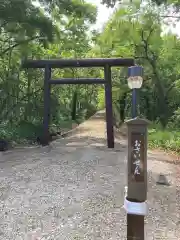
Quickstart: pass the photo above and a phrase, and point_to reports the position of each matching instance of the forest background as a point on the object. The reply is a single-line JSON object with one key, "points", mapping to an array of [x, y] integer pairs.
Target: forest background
{"points": [[50, 29]]}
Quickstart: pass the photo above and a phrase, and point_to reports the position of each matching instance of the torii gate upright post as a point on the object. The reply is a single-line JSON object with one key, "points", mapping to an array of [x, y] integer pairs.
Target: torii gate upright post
{"points": [[109, 109], [47, 98]]}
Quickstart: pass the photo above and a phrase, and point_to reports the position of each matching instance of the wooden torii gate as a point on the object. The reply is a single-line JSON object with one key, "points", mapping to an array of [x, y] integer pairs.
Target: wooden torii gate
{"points": [[106, 63]]}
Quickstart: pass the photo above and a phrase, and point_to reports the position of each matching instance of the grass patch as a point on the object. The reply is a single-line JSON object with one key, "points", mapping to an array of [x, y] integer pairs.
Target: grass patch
{"points": [[165, 139]]}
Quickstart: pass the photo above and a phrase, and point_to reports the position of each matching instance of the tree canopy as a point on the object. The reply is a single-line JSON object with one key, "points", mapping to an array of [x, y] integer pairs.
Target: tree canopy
{"points": [[111, 3]]}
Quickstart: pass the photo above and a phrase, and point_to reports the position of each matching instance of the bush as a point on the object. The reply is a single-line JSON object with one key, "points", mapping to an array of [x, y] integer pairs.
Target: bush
{"points": [[27, 132], [6, 132], [22, 132], [175, 119], [165, 139]]}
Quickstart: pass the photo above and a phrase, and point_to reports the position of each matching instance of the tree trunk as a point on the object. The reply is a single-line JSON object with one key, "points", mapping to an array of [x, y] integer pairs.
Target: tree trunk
{"points": [[161, 96], [74, 106], [27, 109], [122, 105]]}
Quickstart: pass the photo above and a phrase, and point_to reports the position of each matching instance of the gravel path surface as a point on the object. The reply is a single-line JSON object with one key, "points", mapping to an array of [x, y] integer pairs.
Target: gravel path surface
{"points": [[74, 190]]}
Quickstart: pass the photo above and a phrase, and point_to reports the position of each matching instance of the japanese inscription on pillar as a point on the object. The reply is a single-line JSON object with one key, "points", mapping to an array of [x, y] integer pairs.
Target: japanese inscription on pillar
{"points": [[137, 157]]}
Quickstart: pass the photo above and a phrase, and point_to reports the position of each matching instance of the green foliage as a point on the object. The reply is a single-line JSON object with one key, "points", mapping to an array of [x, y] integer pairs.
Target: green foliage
{"points": [[22, 132], [50, 29], [101, 99], [165, 139], [136, 31], [111, 3], [175, 119], [61, 29]]}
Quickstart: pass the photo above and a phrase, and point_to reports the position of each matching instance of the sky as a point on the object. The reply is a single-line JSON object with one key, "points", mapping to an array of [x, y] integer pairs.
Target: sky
{"points": [[104, 13]]}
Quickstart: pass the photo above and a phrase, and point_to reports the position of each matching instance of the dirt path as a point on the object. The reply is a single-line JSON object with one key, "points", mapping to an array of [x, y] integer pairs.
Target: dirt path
{"points": [[74, 190]]}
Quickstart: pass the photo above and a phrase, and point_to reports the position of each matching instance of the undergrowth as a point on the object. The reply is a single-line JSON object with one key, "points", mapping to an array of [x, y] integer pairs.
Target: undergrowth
{"points": [[27, 132], [165, 139]]}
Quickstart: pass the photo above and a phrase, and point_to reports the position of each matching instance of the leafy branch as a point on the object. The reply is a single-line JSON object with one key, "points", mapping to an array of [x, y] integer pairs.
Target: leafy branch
{"points": [[20, 43]]}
